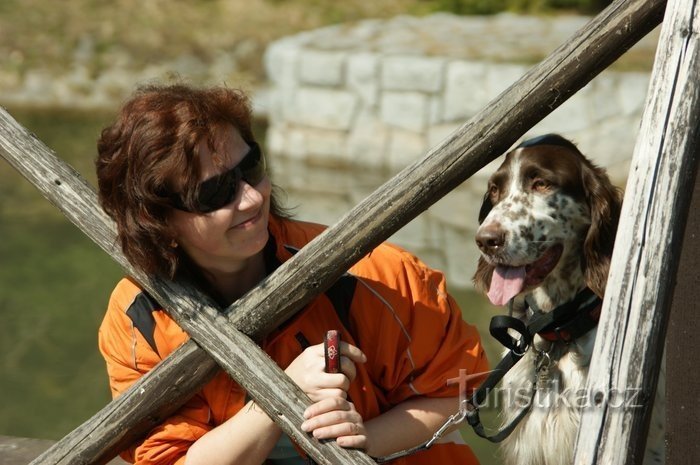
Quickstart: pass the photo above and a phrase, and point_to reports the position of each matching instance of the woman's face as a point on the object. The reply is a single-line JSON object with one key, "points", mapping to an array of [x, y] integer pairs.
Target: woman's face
{"points": [[223, 240]]}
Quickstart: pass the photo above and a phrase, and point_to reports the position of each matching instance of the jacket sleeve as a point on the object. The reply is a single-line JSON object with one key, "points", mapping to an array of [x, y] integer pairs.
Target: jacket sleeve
{"points": [[418, 342], [129, 357]]}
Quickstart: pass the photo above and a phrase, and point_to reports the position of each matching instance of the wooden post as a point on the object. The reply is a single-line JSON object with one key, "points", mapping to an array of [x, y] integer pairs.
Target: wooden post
{"points": [[627, 355], [315, 268]]}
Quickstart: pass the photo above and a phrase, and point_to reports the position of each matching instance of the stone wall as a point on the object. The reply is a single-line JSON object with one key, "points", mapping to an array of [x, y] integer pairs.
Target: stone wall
{"points": [[363, 101]]}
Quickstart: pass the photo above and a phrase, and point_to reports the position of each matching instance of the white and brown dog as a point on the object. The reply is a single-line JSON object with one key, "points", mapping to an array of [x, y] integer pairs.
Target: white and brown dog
{"points": [[547, 227]]}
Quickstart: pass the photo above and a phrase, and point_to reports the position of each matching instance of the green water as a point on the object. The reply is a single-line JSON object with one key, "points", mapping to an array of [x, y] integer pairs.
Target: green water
{"points": [[54, 285]]}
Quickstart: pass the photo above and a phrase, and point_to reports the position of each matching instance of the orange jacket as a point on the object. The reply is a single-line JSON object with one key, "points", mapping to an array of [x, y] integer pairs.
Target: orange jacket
{"points": [[400, 315]]}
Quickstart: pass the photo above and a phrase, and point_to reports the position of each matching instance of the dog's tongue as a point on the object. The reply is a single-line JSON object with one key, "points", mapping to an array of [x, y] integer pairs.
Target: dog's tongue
{"points": [[506, 283]]}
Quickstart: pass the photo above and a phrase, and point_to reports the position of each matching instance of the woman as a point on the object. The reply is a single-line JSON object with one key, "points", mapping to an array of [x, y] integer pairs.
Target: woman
{"points": [[181, 175]]}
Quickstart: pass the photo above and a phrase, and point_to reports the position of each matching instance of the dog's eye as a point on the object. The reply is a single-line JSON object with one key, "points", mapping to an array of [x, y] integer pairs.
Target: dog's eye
{"points": [[539, 185], [493, 190]]}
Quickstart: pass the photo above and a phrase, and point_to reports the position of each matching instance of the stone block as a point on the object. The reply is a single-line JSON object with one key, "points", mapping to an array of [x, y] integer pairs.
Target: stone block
{"points": [[405, 110], [322, 68], [500, 76], [326, 147], [413, 234], [281, 59], [281, 63], [262, 101], [275, 143], [459, 208], [438, 133], [413, 73], [466, 91], [435, 258], [633, 92], [572, 116], [275, 106], [602, 100], [295, 143], [312, 179], [477, 183], [320, 207], [610, 143], [362, 77], [325, 108], [365, 181], [405, 147], [462, 258], [368, 141], [435, 104]]}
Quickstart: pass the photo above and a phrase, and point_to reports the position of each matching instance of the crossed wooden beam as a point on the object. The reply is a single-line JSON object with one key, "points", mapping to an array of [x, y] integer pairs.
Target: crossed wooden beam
{"points": [[225, 337]]}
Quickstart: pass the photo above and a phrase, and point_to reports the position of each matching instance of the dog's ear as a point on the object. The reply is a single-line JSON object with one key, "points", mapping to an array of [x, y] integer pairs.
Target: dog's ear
{"points": [[604, 201], [486, 206], [482, 276]]}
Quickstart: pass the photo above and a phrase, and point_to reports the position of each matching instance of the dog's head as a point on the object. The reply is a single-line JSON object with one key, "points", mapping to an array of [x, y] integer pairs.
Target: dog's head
{"points": [[548, 214]]}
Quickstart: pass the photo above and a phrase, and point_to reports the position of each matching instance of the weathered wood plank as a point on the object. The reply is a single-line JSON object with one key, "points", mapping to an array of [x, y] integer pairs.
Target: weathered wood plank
{"points": [[482, 139], [629, 346]]}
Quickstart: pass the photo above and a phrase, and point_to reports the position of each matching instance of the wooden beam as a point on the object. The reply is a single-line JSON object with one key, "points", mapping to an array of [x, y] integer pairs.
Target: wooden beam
{"points": [[316, 267], [629, 346]]}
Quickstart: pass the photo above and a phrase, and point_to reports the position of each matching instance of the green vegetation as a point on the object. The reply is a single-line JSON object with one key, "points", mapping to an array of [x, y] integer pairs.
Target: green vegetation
{"points": [[485, 7], [95, 35]]}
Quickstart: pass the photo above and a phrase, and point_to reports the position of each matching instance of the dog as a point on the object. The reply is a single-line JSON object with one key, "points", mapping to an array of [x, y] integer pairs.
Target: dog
{"points": [[547, 227]]}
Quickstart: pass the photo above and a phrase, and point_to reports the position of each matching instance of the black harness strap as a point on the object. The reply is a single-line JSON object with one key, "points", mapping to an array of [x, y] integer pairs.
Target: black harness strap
{"points": [[575, 317], [472, 414], [571, 320], [499, 329], [567, 322]]}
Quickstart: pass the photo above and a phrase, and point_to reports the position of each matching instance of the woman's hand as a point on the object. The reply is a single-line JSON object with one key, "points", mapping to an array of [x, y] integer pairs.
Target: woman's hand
{"points": [[336, 417], [331, 416], [307, 371]]}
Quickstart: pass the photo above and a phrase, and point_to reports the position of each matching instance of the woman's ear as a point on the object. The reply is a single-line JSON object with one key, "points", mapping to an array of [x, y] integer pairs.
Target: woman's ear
{"points": [[604, 201]]}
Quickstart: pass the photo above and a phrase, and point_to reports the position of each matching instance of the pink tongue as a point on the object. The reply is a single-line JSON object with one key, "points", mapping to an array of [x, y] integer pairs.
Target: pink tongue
{"points": [[506, 283]]}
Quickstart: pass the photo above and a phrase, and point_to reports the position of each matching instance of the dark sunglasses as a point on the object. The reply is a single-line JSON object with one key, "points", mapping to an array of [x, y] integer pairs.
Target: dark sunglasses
{"points": [[220, 190]]}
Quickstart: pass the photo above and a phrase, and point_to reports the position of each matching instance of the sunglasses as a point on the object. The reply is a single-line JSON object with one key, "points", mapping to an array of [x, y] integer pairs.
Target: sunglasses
{"points": [[220, 190]]}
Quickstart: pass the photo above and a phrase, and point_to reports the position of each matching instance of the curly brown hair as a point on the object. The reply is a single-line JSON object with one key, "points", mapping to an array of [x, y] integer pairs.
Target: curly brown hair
{"points": [[149, 151]]}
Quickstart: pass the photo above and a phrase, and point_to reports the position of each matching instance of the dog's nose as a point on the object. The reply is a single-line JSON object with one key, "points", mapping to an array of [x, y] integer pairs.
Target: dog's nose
{"points": [[490, 238]]}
